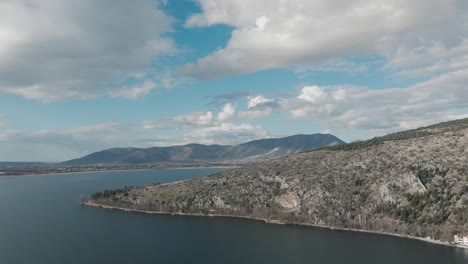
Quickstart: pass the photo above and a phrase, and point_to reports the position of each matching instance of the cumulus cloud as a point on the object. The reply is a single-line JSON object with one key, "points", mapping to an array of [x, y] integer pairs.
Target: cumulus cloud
{"points": [[312, 94], [257, 107], [193, 119], [261, 22], [227, 113], [441, 98], [220, 133], [254, 101], [226, 134], [79, 48], [189, 120], [276, 34], [136, 91], [208, 128]]}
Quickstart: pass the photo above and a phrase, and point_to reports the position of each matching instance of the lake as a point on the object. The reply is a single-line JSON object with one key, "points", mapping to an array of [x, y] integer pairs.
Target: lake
{"points": [[42, 221]]}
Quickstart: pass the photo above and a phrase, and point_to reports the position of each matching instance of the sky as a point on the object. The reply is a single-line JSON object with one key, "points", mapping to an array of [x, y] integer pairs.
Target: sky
{"points": [[79, 76]]}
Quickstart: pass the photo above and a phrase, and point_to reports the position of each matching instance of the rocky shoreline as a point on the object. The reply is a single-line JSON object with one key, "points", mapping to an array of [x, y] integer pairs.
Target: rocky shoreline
{"points": [[270, 221]]}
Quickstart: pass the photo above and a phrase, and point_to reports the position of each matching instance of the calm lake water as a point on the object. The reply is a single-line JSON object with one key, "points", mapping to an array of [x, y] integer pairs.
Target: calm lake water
{"points": [[41, 221]]}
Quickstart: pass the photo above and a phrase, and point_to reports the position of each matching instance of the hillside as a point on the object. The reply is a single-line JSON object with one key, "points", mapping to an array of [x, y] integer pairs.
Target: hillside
{"points": [[413, 183], [254, 151]]}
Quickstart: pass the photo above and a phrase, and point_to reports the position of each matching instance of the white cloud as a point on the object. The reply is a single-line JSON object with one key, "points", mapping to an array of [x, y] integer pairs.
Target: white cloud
{"points": [[276, 34], [205, 128], [253, 101], [261, 22], [312, 94], [189, 120], [53, 50], [227, 113], [375, 111], [219, 133], [429, 59], [135, 92], [438, 99], [226, 134], [257, 107], [193, 119]]}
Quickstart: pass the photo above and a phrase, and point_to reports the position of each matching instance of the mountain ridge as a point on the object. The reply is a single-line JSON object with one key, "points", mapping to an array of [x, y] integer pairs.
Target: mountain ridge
{"points": [[252, 151]]}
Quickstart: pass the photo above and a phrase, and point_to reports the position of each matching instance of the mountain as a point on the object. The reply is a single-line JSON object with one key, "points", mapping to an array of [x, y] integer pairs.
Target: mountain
{"points": [[264, 149], [253, 151], [409, 183]]}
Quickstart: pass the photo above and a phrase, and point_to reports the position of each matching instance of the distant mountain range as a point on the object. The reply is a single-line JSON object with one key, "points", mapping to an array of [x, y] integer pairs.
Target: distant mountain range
{"points": [[253, 151]]}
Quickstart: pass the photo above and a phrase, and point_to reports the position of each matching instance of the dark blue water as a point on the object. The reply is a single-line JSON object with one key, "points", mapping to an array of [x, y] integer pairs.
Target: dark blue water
{"points": [[41, 221]]}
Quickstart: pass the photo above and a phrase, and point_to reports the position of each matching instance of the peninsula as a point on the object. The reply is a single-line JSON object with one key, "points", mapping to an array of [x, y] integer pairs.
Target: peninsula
{"points": [[412, 183]]}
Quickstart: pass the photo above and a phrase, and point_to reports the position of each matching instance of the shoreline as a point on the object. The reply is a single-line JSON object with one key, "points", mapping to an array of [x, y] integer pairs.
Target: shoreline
{"points": [[276, 222], [129, 170]]}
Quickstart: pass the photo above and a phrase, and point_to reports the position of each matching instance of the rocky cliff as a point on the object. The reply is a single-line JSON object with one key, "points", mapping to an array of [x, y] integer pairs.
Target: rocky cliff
{"points": [[413, 183]]}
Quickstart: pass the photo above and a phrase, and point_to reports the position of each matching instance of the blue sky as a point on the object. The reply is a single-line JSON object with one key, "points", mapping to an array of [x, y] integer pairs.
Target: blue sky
{"points": [[77, 76]]}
